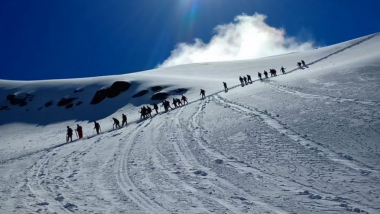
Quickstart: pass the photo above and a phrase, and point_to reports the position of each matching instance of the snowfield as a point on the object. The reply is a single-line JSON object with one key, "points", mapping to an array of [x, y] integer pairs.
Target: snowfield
{"points": [[304, 142]]}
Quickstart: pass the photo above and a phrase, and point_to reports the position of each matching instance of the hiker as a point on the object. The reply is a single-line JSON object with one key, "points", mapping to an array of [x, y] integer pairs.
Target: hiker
{"points": [[142, 112], [79, 131], [166, 105], [259, 74], [69, 135], [148, 111], [241, 81], [249, 78], [97, 127], [299, 64], [175, 103], [265, 74], [155, 106], [184, 100], [116, 123], [203, 93], [178, 102], [303, 63], [245, 80], [225, 87], [275, 72], [124, 121], [283, 70]]}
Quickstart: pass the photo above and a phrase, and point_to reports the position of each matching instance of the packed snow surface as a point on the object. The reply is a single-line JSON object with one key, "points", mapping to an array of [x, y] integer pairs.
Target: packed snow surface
{"points": [[304, 142]]}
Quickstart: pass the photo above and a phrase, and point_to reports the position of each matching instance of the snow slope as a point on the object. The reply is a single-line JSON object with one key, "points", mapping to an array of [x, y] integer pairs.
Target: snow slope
{"points": [[304, 142]]}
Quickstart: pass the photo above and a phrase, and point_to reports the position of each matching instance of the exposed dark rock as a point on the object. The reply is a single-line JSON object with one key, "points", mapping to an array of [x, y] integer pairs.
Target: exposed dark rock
{"points": [[99, 96], [69, 106], [78, 90], [40, 108], [117, 87], [10, 97], [48, 104], [200, 172], [111, 92], [140, 94], [22, 103], [65, 101], [157, 88], [160, 96], [180, 90], [3, 108], [14, 100], [79, 103]]}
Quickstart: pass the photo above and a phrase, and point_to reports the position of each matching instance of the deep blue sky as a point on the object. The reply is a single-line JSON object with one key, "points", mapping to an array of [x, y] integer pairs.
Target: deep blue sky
{"points": [[45, 39]]}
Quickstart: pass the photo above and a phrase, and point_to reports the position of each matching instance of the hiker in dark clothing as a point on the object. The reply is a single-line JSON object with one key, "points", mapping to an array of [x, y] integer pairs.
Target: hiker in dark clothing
{"points": [[116, 123], [69, 135], [299, 64], [143, 112], [178, 102], [203, 93], [245, 80], [97, 127], [265, 74], [79, 131], [303, 63], [225, 87], [149, 111], [249, 78], [275, 72], [184, 100], [283, 70], [175, 103], [124, 121], [259, 75], [166, 105], [241, 81], [155, 106]]}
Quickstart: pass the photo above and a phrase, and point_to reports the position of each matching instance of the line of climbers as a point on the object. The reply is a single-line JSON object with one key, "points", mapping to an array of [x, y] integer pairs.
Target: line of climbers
{"points": [[147, 110]]}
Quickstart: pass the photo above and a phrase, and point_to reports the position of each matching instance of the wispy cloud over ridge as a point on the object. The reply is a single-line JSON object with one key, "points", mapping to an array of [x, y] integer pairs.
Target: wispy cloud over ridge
{"points": [[248, 37]]}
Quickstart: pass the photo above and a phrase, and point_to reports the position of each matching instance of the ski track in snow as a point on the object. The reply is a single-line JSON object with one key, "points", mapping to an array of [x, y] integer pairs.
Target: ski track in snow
{"points": [[289, 90], [296, 137]]}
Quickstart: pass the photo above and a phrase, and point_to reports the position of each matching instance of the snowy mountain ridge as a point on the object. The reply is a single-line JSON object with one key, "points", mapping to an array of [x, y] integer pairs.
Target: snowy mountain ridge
{"points": [[304, 142]]}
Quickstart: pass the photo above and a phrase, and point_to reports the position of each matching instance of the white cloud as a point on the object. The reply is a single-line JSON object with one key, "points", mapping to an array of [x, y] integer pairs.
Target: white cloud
{"points": [[248, 37]]}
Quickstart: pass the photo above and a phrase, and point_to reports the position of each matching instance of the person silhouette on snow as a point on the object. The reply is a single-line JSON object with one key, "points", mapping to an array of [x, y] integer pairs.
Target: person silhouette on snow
{"points": [[184, 100], [283, 70], [69, 135], [225, 87], [155, 106], [241, 80], [148, 111], [79, 131], [266, 74], [203, 93], [249, 78], [124, 120], [303, 63], [299, 64], [116, 123], [245, 80], [260, 76], [97, 127]]}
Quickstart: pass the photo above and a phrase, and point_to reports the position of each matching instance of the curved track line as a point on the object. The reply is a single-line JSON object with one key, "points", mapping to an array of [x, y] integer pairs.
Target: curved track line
{"points": [[296, 137]]}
